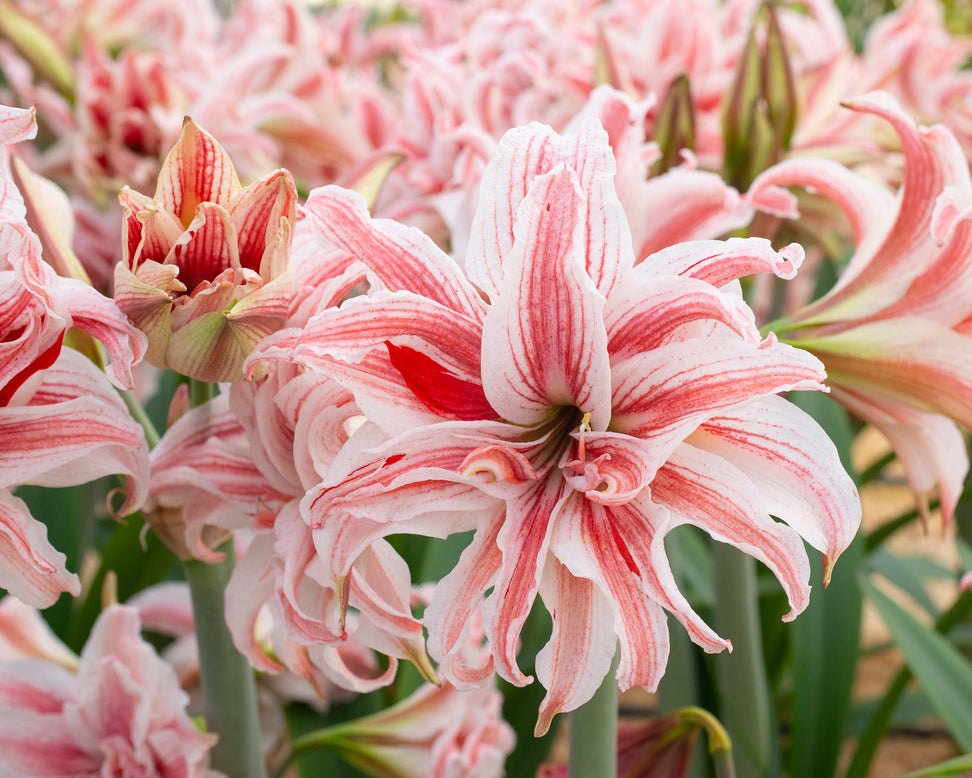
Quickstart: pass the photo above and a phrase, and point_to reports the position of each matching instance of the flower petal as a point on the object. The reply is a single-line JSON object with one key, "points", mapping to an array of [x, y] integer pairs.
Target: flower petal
{"points": [[930, 447], [524, 540], [795, 466], [401, 257], [76, 429], [544, 343], [196, 170], [572, 665], [718, 262], [644, 316], [456, 596], [913, 361], [589, 543], [671, 390], [31, 569], [705, 490]]}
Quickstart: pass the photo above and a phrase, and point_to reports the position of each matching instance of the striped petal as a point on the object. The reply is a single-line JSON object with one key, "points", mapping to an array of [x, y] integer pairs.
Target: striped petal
{"points": [[544, 342], [401, 257], [795, 466], [706, 491], [572, 665]]}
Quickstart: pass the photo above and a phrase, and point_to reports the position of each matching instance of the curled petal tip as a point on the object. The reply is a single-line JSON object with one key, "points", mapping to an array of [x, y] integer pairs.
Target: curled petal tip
{"points": [[828, 568], [423, 664], [543, 723]]}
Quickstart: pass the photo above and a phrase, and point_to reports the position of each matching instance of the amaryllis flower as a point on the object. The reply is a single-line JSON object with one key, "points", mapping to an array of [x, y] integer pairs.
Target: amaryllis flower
{"points": [[894, 332], [436, 732], [166, 609], [204, 273], [61, 421], [121, 713], [571, 407], [25, 635]]}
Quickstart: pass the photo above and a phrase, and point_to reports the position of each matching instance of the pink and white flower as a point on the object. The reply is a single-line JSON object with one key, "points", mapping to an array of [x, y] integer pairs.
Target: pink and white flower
{"points": [[61, 421], [436, 732], [204, 272], [894, 331], [121, 713], [572, 408]]}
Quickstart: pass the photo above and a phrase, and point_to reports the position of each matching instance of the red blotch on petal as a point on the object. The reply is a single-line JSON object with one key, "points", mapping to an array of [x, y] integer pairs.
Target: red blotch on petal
{"points": [[43, 361], [442, 392]]}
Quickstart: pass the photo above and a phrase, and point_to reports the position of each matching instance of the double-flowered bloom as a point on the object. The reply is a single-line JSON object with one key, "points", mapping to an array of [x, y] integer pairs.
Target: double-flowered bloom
{"points": [[204, 270], [61, 422], [572, 407], [116, 710], [894, 331]]}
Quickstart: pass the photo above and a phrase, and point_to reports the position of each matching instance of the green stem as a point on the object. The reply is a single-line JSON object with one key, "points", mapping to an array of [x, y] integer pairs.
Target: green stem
{"points": [[869, 741], [228, 684], [744, 699], [200, 392], [680, 685], [137, 410], [594, 732]]}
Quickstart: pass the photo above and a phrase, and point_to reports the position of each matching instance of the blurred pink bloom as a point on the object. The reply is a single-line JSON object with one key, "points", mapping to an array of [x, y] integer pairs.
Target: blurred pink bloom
{"points": [[129, 114], [436, 732], [204, 273], [894, 331], [911, 54], [25, 635], [572, 408], [122, 713], [166, 609], [277, 97]]}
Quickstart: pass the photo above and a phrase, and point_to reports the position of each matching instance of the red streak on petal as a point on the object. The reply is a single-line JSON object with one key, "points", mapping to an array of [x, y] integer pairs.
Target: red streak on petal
{"points": [[622, 548], [43, 361], [442, 392]]}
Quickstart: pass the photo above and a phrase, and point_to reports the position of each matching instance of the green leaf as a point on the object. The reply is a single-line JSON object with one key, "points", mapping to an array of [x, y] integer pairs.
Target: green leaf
{"points": [[961, 764], [908, 574], [944, 673], [137, 564], [910, 709], [824, 650]]}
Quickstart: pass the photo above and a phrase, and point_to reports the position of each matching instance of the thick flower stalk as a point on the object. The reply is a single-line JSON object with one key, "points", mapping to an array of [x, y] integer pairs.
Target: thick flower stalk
{"points": [[121, 713], [894, 331], [204, 268], [571, 407]]}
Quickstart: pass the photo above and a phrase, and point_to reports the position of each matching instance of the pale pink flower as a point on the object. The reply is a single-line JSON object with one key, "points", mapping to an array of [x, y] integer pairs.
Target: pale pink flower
{"points": [[25, 635], [166, 609], [204, 482], [571, 407], [204, 268], [297, 422], [436, 732], [894, 331], [212, 474], [121, 713], [278, 95]]}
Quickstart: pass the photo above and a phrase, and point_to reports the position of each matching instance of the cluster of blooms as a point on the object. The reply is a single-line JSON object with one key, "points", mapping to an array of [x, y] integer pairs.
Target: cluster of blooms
{"points": [[474, 322]]}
